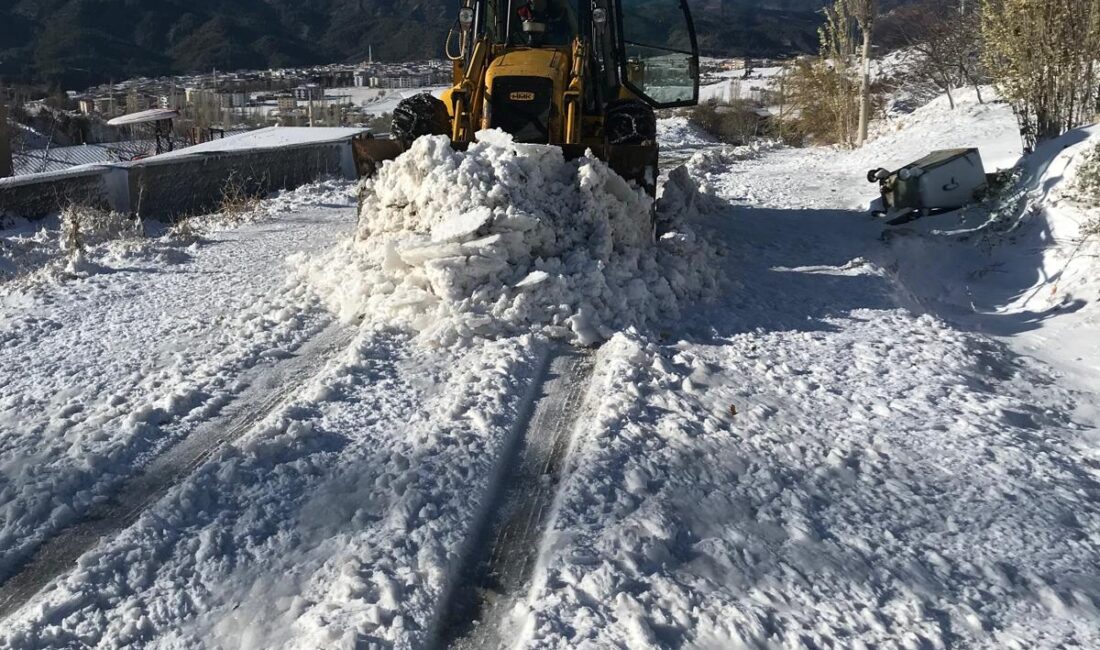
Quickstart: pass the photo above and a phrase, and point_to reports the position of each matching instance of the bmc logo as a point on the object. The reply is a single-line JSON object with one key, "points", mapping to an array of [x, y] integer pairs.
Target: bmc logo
{"points": [[521, 96]]}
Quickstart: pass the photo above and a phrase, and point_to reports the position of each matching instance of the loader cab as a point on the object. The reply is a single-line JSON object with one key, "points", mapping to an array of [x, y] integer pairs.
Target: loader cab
{"points": [[639, 51], [647, 47], [543, 23]]}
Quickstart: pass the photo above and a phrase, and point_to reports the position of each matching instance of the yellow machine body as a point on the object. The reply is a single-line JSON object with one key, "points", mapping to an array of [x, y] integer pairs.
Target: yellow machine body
{"points": [[550, 93]]}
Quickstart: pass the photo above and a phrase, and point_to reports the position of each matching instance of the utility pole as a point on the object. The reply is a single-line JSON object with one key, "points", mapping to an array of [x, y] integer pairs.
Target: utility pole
{"points": [[6, 168]]}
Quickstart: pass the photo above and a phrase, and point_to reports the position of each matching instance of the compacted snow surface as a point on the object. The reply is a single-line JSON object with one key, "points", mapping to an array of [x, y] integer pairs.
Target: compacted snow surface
{"points": [[804, 430]]}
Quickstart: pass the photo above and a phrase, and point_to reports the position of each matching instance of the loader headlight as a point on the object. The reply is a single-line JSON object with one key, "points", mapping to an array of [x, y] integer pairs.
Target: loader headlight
{"points": [[905, 174], [466, 17], [599, 16]]}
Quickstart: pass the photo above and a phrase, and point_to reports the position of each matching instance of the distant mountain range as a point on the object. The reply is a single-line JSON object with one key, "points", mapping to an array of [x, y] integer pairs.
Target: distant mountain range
{"points": [[76, 43]]}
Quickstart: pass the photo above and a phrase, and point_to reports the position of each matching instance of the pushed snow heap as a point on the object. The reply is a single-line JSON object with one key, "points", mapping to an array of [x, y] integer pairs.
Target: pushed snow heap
{"points": [[506, 238]]}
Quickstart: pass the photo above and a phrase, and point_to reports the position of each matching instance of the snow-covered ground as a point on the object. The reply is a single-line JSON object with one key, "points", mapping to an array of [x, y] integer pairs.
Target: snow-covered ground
{"points": [[1023, 267], [817, 460], [866, 437], [111, 353]]}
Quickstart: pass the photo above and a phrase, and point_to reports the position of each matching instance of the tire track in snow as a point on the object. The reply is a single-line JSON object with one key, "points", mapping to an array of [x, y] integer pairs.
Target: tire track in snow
{"points": [[271, 387], [503, 559]]}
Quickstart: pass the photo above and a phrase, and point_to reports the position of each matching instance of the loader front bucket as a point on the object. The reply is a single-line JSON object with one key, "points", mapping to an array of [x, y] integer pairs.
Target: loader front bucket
{"points": [[371, 152], [636, 163]]}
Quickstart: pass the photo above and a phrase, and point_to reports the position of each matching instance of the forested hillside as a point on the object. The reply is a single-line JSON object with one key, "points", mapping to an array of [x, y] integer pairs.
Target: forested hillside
{"points": [[79, 42]]}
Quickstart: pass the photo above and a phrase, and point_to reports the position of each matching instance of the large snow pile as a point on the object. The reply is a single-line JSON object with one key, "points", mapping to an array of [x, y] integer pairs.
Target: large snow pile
{"points": [[506, 238]]}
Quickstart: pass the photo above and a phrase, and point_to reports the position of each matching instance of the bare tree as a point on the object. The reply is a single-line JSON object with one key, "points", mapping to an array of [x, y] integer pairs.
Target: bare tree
{"points": [[865, 12], [943, 47]]}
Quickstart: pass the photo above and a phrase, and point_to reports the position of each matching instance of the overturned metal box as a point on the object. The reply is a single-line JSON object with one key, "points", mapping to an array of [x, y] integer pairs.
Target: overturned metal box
{"points": [[941, 181]]}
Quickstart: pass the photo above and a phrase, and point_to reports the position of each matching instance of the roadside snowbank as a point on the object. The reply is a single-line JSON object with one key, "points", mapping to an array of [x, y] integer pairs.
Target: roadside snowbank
{"points": [[81, 241], [1024, 265], [506, 238], [78, 242], [935, 125], [325, 193]]}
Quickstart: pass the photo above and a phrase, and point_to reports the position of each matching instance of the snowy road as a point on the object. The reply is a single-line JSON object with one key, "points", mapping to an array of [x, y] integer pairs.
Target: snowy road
{"points": [[811, 465], [821, 457], [101, 374], [808, 463], [269, 387], [498, 576]]}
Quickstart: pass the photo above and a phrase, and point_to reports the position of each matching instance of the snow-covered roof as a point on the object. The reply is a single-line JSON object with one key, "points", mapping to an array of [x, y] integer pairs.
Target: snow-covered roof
{"points": [[270, 138], [35, 161], [144, 117]]}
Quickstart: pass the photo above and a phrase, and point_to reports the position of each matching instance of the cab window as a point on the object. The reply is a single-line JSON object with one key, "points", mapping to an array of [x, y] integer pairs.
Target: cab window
{"points": [[660, 58]]}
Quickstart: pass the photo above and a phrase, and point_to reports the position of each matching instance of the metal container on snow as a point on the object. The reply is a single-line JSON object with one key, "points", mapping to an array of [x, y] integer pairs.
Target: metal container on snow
{"points": [[941, 181]]}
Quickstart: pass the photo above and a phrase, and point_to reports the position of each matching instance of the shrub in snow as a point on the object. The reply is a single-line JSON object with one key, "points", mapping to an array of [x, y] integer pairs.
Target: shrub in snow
{"points": [[240, 198], [83, 226], [1087, 182], [505, 238], [737, 122]]}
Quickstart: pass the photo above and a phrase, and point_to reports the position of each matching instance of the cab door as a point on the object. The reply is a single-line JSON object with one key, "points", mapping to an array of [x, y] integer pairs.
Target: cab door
{"points": [[658, 52]]}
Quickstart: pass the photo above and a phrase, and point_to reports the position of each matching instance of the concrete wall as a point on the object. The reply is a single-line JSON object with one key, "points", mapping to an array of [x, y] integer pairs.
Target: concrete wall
{"points": [[179, 185], [197, 184], [37, 195]]}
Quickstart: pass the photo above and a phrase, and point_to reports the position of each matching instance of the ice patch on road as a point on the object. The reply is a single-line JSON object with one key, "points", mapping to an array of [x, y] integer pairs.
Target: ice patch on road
{"points": [[507, 238]]}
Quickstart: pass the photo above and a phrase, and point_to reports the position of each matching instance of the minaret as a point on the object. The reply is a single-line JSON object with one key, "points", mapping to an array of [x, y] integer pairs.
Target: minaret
{"points": [[370, 54]]}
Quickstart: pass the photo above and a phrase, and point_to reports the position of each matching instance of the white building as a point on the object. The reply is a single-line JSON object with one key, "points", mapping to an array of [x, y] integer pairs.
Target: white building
{"points": [[309, 92]]}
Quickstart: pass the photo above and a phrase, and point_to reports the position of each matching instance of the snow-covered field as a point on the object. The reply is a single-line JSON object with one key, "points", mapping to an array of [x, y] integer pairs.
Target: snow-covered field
{"points": [[858, 437]]}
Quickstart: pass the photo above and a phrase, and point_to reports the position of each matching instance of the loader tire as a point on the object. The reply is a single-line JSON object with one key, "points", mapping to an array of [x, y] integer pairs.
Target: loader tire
{"points": [[630, 122], [420, 115]]}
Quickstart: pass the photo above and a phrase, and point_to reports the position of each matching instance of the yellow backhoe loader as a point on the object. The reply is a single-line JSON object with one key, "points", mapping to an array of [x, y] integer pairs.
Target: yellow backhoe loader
{"points": [[578, 74]]}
